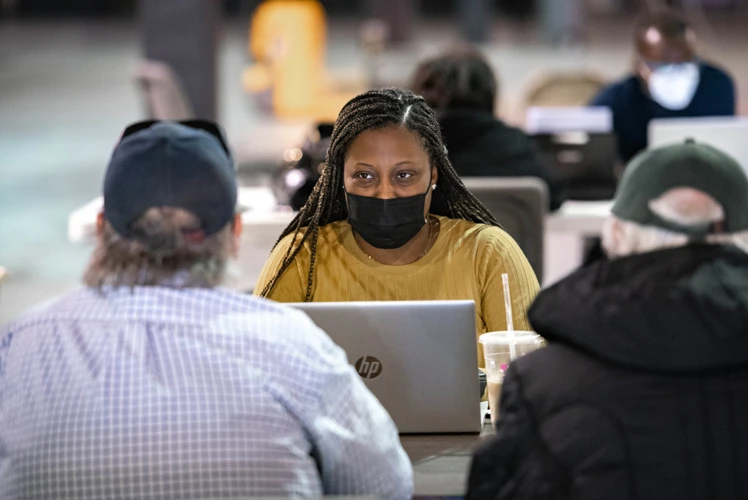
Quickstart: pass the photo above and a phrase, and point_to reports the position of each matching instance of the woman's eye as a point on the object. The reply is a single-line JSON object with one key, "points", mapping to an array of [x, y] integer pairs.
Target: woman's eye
{"points": [[404, 175], [364, 175]]}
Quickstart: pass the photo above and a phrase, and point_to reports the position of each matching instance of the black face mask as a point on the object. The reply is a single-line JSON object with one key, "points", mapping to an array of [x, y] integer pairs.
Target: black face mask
{"points": [[386, 224]]}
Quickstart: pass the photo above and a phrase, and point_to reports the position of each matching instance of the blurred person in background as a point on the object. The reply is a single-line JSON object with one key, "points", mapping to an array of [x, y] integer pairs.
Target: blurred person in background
{"points": [[669, 80], [461, 88], [390, 220], [643, 390], [152, 382]]}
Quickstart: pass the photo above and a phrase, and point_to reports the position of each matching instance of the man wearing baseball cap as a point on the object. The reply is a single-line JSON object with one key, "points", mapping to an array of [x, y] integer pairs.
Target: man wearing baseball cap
{"points": [[643, 390], [152, 382]]}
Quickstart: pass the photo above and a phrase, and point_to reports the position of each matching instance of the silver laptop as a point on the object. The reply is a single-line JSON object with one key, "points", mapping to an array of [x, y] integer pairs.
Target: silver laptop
{"points": [[418, 357], [728, 134]]}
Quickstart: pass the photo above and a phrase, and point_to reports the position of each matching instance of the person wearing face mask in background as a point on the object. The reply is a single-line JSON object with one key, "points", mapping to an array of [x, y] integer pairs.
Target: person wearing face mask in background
{"points": [[668, 81], [390, 220]]}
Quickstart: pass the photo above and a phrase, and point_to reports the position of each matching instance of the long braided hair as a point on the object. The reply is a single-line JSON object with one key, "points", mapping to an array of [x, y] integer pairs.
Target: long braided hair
{"points": [[376, 109]]}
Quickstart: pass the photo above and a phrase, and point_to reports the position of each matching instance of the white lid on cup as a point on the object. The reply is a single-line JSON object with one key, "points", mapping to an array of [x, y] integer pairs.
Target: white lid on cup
{"points": [[506, 337]]}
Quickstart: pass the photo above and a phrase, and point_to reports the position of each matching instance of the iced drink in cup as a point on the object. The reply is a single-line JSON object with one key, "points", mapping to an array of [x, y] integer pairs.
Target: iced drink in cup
{"points": [[497, 352]]}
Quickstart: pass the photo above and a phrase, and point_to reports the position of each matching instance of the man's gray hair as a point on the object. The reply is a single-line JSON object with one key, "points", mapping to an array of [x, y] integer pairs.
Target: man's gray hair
{"points": [[169, 250], [683, 206]]}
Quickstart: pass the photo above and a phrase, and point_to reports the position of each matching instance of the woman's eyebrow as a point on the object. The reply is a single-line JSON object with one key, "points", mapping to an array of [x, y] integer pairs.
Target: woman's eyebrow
{"points": [[404, 162]]}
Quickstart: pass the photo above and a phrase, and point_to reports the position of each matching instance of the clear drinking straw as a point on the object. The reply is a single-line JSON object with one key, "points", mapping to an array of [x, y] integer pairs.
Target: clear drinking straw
{"points": [[509, 320]]}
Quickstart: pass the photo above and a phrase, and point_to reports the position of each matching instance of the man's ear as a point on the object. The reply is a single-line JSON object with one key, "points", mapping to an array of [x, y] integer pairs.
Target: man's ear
{"points": [[236, 230], [100, 223], [613, 239]]}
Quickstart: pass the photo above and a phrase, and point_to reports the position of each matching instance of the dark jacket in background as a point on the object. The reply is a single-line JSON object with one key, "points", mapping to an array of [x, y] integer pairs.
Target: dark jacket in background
{"points": [[642, 392], [633, 109], [481, 145]]}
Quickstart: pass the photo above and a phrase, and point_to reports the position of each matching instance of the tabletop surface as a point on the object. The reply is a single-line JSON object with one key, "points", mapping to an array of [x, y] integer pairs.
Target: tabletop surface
{"points": [[441, 462]]}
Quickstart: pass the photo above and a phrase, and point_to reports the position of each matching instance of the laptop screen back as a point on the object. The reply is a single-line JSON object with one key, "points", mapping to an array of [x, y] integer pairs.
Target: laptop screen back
{"points": [[419, 358]]}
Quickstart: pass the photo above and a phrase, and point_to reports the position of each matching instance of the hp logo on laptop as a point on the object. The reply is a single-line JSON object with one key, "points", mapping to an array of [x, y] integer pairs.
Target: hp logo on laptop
{"points": [[368, 367]]}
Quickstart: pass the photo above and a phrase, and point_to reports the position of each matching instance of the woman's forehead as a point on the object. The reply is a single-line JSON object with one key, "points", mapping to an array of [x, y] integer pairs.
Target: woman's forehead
{"points": [[387, 143]]}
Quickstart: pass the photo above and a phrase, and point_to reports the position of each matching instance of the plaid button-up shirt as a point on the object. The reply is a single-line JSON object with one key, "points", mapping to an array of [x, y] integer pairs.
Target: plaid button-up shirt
{"points": [[163, 393]]}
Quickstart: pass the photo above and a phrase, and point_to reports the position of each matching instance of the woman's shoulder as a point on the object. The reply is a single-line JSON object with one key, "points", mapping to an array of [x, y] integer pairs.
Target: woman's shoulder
{"points": [[489, 248], [480, 235], [288, 240], [472, 229]]}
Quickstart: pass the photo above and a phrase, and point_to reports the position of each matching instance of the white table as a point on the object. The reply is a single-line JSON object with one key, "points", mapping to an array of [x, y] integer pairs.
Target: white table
{"points": [[580, 218], [263, 223], [565, 233]]}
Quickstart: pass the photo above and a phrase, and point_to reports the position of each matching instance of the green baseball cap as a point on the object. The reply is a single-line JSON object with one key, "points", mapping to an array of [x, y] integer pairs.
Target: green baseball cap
{"points": [[652, 173]]}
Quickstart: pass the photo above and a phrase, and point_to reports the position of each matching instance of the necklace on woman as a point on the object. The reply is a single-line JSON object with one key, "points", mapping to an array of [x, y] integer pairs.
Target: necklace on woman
{"points": [[420, 256]]}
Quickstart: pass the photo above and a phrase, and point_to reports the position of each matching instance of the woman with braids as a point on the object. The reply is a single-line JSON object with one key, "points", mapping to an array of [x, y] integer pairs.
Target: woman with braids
{"points": [[390, 220]]}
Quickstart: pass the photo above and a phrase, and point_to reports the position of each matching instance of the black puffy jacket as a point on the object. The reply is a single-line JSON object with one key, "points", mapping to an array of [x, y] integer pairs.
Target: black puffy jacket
{"points": [[642, 392]]}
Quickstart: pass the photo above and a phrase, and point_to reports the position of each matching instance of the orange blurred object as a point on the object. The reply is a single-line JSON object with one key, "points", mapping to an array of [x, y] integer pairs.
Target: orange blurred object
{"points": [[288, 43]]}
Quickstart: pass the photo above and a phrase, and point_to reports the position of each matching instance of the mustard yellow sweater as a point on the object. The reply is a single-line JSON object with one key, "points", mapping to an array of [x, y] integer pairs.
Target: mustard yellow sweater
{"points": [[465, 263]]}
